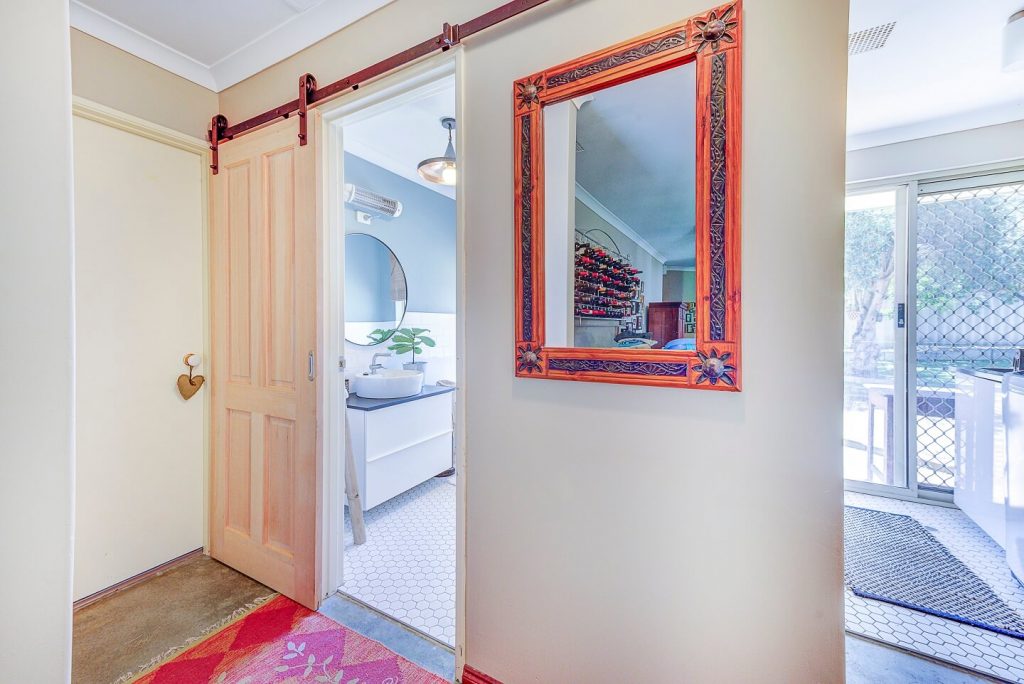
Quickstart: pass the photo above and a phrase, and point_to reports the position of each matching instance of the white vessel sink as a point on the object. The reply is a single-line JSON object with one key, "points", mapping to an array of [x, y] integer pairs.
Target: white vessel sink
{"points": [[388, 384]]}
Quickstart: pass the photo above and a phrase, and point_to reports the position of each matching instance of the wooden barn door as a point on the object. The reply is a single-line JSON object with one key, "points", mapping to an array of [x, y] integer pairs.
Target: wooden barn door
{"points": [[264, 377]]}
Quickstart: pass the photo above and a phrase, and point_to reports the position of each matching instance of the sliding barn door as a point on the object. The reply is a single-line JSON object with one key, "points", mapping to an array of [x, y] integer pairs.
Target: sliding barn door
{"points": [[263, 373]]}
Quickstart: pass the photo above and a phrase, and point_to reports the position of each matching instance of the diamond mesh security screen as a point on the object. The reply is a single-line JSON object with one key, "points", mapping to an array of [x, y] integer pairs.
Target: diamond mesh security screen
{"points": [[970, 306]]}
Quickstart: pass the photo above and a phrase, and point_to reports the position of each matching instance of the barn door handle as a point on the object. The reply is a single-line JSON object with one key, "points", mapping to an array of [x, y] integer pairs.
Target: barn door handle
{"points": [[312, 367]]}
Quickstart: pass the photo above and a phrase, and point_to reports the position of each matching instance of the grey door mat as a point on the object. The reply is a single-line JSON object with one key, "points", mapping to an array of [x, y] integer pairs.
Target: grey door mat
{"points": [[893, 558]]}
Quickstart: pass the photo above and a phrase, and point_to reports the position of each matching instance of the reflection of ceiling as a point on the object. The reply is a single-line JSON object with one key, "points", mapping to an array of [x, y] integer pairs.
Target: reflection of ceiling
{"points": [[216, 44], [638, 158], [940, 70], [399, 138]]}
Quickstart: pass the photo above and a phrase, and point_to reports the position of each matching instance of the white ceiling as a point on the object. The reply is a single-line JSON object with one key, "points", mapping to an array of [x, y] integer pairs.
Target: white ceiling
{"points": [[406, 131], [638, 159], [216, 43], [940, 71]]}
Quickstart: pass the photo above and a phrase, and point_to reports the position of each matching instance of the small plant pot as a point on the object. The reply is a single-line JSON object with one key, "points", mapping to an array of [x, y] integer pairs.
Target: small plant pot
{"points": [[420, 366]]}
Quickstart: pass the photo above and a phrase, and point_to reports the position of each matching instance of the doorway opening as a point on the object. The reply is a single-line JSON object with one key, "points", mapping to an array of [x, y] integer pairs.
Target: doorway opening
{"points": [[933, 295], [392, 174], [934, 313]]}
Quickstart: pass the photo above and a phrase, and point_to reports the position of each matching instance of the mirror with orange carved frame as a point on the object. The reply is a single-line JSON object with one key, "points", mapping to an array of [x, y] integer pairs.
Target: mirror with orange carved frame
{"points": [[627, 211]]}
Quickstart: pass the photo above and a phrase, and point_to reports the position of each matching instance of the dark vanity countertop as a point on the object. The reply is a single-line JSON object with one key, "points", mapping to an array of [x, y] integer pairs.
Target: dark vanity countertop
{"points": [[361, 404], [993, 374]]}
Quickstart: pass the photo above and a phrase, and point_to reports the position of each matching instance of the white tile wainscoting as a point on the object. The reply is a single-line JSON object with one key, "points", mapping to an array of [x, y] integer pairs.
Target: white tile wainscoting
{"points": [[440, 359]]}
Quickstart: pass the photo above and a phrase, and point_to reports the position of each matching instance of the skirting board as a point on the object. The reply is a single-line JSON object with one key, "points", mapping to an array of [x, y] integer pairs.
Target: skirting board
{"points": [[137, 579], [471, 675]]}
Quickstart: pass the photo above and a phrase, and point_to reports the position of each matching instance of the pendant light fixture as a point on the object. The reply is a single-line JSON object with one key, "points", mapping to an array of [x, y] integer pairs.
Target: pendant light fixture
{"points": [[441, 170], [1013, 42]]}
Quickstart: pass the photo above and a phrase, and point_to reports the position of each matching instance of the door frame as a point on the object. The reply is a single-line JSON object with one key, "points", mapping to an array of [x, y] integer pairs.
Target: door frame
{"points": [[367, 101], [909, 184]]}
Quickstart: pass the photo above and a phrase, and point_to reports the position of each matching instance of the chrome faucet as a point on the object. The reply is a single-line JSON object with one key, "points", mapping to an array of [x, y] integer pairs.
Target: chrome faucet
{"points": [[374, 366]]}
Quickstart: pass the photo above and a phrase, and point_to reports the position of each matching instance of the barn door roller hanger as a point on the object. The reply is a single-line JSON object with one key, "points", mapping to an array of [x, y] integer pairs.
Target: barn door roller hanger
{"points": [[310, 95]]}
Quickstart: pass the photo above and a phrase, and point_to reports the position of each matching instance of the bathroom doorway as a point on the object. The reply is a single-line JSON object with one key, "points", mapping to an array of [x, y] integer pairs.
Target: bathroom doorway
{"points": [[392, 261]]}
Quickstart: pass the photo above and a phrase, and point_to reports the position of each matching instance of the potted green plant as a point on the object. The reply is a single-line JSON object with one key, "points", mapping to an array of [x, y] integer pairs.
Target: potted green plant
{"points": [[412, 340], [380, 336]]}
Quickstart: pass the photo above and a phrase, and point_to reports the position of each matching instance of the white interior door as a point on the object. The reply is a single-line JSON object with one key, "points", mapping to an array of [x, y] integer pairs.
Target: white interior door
{"points": [[265, 375], [139, 272]]}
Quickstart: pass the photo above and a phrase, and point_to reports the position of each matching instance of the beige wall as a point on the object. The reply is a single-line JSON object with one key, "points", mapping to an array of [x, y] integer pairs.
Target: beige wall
{"points": [[139, 241], [36, 342], [105, 74], [641, 534]]}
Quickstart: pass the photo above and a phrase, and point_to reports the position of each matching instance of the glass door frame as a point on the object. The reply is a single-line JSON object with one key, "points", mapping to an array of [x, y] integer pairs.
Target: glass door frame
{"points": [[902, 469]]}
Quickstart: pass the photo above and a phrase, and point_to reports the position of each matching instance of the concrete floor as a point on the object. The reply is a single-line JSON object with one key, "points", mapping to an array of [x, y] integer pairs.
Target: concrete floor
{"points": [[124, 632], [400, 638], [870, 662]]}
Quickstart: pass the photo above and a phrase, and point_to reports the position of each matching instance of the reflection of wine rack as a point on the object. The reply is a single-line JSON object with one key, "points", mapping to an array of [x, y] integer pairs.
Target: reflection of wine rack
{"points": [[607, 286]]}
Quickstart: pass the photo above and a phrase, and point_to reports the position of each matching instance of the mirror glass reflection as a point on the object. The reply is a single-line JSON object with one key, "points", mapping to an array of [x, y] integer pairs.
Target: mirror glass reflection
{"points": [[619, 209], [376, 293]]}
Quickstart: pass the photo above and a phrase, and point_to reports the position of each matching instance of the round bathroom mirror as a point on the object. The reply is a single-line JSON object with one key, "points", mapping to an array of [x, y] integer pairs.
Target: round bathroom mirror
{"points": [[376, 292]]}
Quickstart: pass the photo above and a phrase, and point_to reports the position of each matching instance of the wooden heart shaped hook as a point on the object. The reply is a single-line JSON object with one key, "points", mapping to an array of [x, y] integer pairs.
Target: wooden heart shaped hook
{"points": [[189, 384]]}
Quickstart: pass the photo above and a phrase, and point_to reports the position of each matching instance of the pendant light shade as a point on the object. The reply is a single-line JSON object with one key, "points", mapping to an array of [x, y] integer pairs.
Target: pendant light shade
{"points": [[441, 170], [1013, 43]]}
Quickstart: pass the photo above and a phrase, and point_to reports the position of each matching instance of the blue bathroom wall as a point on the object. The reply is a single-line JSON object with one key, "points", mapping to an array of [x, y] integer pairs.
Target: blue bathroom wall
{"points": [[368, 282], [423, 237]]}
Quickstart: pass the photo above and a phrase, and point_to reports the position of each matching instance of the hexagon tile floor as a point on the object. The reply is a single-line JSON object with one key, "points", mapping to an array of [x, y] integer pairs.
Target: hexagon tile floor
{"points": [[978, 649], [406, 568]]}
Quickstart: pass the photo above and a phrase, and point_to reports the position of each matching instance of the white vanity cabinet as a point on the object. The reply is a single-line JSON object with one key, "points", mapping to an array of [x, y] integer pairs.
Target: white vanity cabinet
{"points": [[399, 443]]}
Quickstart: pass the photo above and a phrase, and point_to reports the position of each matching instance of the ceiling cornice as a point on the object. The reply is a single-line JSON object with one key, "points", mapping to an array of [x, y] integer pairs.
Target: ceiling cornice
{"points": [[99, 25], [282, 42]]}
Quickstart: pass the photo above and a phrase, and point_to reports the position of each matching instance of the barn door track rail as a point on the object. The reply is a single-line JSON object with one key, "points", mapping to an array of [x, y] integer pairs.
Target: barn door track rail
{"points": [[310, 95]]}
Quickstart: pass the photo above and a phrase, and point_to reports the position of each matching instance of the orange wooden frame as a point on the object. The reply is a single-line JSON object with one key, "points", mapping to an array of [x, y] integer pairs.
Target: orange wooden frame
{"points": [[712, 40]]}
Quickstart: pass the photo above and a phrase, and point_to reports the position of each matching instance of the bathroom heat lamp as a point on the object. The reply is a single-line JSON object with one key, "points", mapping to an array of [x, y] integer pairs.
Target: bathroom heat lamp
{"points": [[441, 170]]}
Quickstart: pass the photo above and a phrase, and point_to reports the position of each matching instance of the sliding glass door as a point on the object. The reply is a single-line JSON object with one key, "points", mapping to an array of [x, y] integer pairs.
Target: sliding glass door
{"points": [[874, 425], [934, 282], [968, 275]]}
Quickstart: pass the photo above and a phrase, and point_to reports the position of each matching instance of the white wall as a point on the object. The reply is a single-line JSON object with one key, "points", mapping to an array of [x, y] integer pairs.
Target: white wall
{"points": [[559, 222], [636, 534], [139, 215], [36, 342], [936, 154]]}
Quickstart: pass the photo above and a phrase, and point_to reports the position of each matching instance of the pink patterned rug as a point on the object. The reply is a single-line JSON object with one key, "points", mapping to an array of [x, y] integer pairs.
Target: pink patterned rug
{"points": [[282, 641]]}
